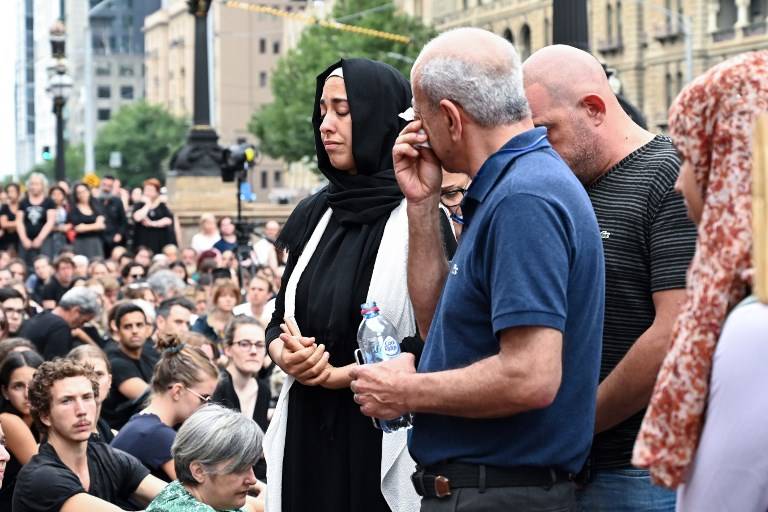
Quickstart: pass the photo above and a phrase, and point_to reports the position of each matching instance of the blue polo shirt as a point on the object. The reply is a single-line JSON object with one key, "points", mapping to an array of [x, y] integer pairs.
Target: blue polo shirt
{"points": [[530, 254]]}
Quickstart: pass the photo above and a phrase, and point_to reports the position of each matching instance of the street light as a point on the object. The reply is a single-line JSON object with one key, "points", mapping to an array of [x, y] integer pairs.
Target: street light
{"points": [[59, 89]]}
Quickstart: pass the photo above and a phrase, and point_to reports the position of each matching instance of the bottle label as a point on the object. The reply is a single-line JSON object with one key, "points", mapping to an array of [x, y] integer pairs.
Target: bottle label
{"points": [[391, 347]]}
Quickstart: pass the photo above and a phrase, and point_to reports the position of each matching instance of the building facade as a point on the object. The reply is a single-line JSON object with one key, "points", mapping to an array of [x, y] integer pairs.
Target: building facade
{"points": [[113, 75], [35, 120], [644, 41], [24, 81], [244, 48]]}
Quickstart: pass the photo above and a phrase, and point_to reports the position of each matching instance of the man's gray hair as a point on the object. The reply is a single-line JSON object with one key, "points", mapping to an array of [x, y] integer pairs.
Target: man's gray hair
{"points": [[215, 435], [490, 90], [166, 284], [83, 298]]}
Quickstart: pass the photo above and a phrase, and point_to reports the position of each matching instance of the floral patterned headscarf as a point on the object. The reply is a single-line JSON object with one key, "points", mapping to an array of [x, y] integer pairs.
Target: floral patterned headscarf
{"points": [[711, 123]]}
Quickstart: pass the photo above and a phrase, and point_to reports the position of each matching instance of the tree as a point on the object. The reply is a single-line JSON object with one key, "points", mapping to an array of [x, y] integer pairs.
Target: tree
{"points": [[145, 135], [284, 127]]}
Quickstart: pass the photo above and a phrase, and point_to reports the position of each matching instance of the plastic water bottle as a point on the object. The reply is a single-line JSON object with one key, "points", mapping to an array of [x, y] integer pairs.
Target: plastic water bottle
{"points": [[377, 339]]}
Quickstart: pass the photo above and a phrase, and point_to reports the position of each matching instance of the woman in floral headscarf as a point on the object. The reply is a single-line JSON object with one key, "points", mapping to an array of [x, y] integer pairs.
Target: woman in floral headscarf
{"points": [[712, 122]]}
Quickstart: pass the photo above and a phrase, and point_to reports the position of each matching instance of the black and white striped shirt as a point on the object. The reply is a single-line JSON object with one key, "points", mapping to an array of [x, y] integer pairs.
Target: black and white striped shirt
{"points": [[648, 242]]}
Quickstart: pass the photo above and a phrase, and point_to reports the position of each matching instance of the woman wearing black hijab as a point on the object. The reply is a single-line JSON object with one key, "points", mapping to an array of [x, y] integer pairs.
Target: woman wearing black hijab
{"points": [[339, 240]]}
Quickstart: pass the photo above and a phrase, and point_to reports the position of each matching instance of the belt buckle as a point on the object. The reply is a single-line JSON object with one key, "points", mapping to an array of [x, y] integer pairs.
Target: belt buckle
{"points": [[442, 486]]}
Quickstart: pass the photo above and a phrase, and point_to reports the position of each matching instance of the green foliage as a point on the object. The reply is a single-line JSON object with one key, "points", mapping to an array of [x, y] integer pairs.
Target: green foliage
{"points": [[284, 127], [145, 135], [74, 161]]}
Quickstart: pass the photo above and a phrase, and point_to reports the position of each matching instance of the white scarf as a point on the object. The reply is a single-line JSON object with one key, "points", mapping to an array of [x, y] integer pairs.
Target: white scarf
{"points": [[389, 288]]}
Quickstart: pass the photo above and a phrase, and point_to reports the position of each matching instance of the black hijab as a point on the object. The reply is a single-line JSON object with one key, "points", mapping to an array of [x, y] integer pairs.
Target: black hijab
{"points": [[377, 93], [337, 277]]}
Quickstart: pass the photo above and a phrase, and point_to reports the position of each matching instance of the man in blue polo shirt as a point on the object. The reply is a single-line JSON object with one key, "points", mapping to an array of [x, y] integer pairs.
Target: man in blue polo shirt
{"points": [[504, 396]]}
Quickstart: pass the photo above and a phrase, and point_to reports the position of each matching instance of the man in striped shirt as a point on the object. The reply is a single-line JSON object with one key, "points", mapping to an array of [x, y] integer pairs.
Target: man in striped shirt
{"points": [[648, 240]]}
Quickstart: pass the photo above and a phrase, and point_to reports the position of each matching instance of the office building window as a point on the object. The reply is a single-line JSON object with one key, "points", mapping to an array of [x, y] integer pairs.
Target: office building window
{"points": [[263, 79], [609, 22], [126, 92], [126, 70], [103, 70], [103, 91], [262, 45], [264, 179], [278, 180], [103, 114], [276, 47]]}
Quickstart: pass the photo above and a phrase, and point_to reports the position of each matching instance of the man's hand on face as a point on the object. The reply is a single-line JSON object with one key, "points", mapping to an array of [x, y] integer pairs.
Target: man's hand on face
{"points": [[417, 170]]}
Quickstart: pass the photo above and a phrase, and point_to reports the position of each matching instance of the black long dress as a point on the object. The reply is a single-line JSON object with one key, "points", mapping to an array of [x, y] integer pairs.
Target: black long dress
{"points": [[332, 452]]}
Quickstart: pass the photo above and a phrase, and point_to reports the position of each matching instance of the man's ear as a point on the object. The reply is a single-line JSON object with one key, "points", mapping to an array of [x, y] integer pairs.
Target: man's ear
{"points": [[594, 106], [45, 419], [452, 114]]}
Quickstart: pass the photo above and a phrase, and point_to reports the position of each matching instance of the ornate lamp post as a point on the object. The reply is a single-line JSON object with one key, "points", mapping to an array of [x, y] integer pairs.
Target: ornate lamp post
{"points": [[201, 155], [59, 88]]}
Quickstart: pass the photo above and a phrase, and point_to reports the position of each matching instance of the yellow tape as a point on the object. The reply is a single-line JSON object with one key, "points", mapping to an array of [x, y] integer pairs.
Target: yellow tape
{"points": [[311, 20]]}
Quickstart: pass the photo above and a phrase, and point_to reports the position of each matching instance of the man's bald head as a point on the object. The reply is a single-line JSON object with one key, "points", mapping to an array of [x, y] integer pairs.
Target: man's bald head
{"points": [[476, 69], [467, 43], [567, 73], [569, 94]]}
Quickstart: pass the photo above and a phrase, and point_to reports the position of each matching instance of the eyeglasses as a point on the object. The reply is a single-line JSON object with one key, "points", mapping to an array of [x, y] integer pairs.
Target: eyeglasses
{"points": [[452, 197], [203, 398], [248, 344]]}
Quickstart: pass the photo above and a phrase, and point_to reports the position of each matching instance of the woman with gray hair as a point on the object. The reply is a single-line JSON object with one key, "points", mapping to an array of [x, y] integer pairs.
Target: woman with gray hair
{"points": [[213, 454]]}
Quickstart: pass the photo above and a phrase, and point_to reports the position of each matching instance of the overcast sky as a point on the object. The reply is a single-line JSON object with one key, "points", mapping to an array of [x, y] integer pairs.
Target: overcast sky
{"points": [[7, 79]]}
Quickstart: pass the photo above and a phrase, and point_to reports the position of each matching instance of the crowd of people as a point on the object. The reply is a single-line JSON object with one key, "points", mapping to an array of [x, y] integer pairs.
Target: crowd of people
{"points": [[571, 294], [137, 341]]}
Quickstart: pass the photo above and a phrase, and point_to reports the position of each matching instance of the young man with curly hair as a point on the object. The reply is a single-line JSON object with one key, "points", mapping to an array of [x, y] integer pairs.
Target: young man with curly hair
{"points": [[69, 473]]}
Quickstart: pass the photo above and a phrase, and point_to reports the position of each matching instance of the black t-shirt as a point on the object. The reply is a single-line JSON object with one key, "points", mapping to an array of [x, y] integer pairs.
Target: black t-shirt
{"points": [[35, 215], [648, 242], [124, 368], [53, 290], [50, 333], [104, 434], [76, 217], [13, 466], [9, 238], [45, 483]]}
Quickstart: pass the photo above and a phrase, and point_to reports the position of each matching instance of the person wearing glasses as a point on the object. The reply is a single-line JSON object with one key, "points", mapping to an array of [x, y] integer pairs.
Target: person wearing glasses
{"points": [[13, 304], [133, 272], [183, 380], [239, 385], [452, 192]]}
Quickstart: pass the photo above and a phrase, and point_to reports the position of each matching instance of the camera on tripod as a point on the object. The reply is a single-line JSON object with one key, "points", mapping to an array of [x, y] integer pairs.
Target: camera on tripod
{"points": [[237, 160]]}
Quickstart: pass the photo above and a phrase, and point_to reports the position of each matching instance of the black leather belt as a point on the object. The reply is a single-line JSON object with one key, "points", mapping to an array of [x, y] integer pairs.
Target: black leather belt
{"points": [[437, 481]]}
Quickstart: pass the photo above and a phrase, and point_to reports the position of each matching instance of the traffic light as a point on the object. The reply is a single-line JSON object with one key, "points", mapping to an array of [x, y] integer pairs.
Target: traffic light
{"points": [[47, 155]]}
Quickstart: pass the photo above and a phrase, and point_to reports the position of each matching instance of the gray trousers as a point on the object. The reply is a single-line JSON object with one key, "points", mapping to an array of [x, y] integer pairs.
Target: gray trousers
{"points": [[559, 498]]}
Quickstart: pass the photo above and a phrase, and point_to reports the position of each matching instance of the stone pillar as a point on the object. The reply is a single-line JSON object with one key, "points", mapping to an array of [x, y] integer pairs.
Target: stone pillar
{"points": [[742, 14], [713, 9]]}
